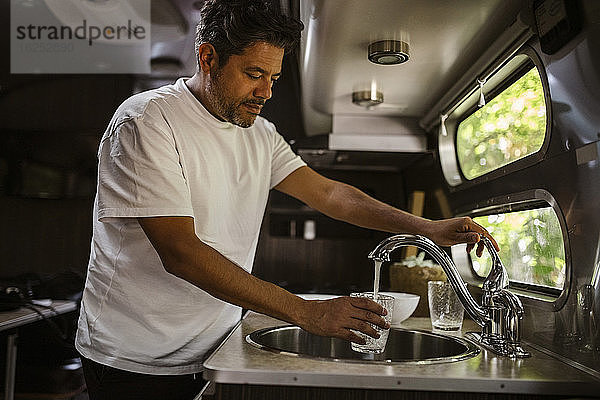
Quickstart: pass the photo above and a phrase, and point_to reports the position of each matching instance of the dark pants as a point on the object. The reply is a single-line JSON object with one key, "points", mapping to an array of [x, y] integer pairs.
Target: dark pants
{"points": [[107, 383]]}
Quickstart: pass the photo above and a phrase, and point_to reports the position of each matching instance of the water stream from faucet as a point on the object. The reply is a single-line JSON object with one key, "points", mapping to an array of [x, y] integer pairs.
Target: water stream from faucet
{"points": [[376, 279]]}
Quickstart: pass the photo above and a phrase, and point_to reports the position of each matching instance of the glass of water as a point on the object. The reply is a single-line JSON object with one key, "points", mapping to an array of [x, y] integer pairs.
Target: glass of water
{"points": [[373, 345], [445, 309]]}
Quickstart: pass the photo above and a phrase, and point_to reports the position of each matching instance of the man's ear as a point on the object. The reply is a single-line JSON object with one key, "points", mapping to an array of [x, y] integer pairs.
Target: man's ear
{"points": [[208, 59]]}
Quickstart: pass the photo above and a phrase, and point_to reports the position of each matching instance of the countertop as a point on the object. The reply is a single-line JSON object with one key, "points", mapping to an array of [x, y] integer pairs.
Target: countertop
{"points": [[24, 315], [237, 362]]}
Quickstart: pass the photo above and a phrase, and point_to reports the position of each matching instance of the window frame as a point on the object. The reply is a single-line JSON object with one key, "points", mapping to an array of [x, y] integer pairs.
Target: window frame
{"points": [[527, 200], [507, 74]]}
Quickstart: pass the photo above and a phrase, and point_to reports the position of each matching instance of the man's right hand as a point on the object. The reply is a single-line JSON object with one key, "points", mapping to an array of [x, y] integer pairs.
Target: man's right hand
{"points": [[336, 317], [184, 255]]}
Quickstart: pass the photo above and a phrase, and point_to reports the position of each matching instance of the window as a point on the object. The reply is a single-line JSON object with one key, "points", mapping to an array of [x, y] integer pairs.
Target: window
{"points": [[509, 127], [531, 247]]}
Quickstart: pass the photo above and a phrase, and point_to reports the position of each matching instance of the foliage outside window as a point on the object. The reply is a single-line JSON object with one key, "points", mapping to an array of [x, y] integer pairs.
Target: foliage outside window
{"points": [[506, 129], [531, 246]]}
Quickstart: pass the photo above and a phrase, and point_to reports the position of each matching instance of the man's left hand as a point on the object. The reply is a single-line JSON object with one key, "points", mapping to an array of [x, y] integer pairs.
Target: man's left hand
{"points": [[448, 232]]}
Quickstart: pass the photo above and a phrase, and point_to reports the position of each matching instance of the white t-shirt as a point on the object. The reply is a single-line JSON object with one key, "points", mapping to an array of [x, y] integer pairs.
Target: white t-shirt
{"points": [[163, 154]]}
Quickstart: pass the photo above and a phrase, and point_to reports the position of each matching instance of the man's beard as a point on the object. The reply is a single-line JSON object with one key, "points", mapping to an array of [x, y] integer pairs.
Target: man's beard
{"points": [[230, 109]]}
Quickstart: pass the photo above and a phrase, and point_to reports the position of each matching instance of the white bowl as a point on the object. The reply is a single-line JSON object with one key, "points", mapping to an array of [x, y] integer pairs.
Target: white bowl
{"points": [[313, 296], [404, 305]]}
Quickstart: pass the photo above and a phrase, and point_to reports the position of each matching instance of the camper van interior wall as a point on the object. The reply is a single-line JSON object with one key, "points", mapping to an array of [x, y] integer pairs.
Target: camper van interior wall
{"points": [[557, 22]]}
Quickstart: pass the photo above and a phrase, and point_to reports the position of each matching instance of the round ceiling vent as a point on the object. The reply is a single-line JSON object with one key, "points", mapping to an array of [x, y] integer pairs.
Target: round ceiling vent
{"points": [[388, 52]]}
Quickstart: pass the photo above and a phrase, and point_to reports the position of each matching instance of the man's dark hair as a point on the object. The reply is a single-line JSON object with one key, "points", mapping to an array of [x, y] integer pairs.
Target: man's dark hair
{"points": [[233, 25]]}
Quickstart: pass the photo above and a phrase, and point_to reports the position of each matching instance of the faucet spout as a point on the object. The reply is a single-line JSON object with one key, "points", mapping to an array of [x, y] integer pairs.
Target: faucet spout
{"points": [[501, 311], [387, 246]]}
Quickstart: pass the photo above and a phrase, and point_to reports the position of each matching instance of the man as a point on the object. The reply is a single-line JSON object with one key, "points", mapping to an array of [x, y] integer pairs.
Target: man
{"points": [[184, 175]]}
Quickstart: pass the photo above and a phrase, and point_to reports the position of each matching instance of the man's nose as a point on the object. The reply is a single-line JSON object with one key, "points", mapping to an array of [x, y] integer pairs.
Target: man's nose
{"points": [[264, 89]]}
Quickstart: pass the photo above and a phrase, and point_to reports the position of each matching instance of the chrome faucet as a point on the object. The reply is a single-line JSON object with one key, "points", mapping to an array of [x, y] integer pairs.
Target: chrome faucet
{"points": [[500, 313]]}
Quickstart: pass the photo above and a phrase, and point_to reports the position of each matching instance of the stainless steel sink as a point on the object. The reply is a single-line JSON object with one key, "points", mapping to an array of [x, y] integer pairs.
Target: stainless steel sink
{"points": [[403, 346]]}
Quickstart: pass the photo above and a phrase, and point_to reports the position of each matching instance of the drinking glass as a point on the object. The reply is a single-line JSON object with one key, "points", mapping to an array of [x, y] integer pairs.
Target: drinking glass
{"points": [[445, 309], [373, 345]]}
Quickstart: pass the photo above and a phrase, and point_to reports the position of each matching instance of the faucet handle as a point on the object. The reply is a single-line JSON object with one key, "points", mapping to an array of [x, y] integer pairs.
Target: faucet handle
{"points": [[497, 279]]}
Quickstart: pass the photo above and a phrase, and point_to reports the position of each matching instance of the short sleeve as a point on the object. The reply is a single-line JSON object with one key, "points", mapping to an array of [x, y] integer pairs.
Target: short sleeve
{"points": [[284, 160], [140, 174]]}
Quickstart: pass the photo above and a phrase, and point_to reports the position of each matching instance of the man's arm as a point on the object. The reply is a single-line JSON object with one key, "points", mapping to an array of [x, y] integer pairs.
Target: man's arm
{"points": [[187, 257], [346, 203]]}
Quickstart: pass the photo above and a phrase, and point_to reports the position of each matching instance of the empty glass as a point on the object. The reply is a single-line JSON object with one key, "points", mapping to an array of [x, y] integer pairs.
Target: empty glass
{"points": [[373, 345], [445, 309]]}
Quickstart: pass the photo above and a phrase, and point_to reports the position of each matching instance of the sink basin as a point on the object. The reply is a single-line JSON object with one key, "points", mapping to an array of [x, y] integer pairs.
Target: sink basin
{"points": [[403, 346]]}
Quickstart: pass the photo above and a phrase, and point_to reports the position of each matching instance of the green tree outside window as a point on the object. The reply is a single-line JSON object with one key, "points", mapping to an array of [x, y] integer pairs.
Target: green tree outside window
{"points": [[531, 246], [509, 127]]}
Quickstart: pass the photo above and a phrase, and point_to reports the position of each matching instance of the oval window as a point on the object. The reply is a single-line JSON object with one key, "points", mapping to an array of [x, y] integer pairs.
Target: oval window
{"points": [[509, 127], [531, 247]]}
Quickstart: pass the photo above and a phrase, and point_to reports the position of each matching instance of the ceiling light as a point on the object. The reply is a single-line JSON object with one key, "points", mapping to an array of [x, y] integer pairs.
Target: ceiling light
{"points": [[388, 52], [367, 98]]}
